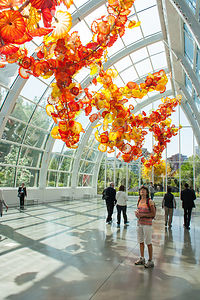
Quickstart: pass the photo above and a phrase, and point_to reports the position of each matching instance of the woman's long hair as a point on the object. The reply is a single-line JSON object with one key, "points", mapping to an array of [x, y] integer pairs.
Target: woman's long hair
{"points": [[122, 188], [147, 195]]}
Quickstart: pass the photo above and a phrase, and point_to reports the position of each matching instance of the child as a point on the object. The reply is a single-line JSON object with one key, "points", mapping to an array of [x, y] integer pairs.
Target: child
{"points": [[145, 213]]}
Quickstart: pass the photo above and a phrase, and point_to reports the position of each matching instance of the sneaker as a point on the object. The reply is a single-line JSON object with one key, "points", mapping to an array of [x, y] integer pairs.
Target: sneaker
{"points": [[140, 261], [149, 264], [127, 223]]}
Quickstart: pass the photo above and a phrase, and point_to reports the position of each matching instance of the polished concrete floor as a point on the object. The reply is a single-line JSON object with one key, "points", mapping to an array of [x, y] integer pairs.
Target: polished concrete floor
{"points": [[65, 251]]}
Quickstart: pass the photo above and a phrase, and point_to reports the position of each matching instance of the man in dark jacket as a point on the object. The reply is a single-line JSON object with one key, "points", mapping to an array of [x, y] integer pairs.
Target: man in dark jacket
{"points": [[109, 196], [22, 194], [187, 196]]}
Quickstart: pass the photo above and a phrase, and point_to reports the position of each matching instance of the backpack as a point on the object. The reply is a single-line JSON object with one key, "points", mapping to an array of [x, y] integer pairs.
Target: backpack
{"points": [[104, 195], [147, 202], [154, 207]]}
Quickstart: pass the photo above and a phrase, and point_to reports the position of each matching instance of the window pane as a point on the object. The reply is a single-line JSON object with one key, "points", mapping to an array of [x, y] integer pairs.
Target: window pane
{"points": [[14, 131], [188, 84], [68, 152], [33, 89], [186, 141], [85, 180], [189, 46], [3, 93], [192, 5], [197, 101], [30, 157], [28, 176], [8, 74], [54, 162], [159, 61], [8, 153], [66, 164], [101, 177], [197, 173], [23, 109], [187, 173], [7, 176], [122, 64], [64, 179], [133, 177], [51, 178], [129, 74], [154, 25], [144, 67], [43, 101], [155, 48], [87, 167], [41, 119], [35, 137], [198, 64], [173, 176]]}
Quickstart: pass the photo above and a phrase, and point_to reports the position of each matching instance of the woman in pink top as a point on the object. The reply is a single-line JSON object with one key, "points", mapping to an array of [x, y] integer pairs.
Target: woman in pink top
{"points": [[145, 213]]}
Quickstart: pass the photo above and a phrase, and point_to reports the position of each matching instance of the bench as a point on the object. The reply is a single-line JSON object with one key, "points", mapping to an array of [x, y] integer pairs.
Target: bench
{"points": [[67, 198], [88, 196], [31, 201]]}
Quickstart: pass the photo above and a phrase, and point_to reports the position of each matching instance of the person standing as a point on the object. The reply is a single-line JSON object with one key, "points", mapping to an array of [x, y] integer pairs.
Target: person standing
{"points": [[122, 199], [145, 213], [169, 203], [151, 190], [2, 203], [22, 194], [187, 196], [109, 195]]}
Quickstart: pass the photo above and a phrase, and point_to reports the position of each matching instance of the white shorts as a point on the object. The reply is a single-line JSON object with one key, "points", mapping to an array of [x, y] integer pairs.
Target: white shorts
{"points": [[144, 234]]}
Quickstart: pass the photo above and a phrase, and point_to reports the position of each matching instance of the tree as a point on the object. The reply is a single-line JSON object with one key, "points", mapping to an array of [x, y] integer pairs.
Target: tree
{"points": [[159, 171], [8, 172], [187, 172]]}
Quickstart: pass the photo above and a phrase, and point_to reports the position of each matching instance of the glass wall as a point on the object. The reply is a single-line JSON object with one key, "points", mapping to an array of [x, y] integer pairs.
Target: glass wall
{"points": [[182, 158], [60, 166], [88, 163], [25, 135]]}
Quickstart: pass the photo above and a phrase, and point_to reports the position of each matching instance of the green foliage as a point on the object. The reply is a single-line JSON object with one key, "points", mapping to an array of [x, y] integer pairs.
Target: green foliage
{"points": [[51, 183], [187, 174], [161, 194], [100, 187], [133, 194], [120, 177]]}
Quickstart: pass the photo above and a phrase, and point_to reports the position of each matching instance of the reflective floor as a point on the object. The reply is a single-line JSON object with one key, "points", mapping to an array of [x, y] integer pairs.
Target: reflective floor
{"points": [[64, 250]]}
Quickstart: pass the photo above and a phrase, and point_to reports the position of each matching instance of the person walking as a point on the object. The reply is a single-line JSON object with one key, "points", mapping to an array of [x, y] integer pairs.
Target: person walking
{"points": [[22, 194], [169, 203], [151, 190], [122, 199], [2, 203], [145, 213], [109, 195], [187, 196]]}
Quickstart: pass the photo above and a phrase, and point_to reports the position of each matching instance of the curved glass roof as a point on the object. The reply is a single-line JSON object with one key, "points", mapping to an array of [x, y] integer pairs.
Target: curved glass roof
{"points": [[26, 145]]}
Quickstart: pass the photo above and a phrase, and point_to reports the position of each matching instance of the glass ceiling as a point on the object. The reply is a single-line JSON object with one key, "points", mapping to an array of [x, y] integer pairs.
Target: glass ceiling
{"points": [[142, 50]]}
